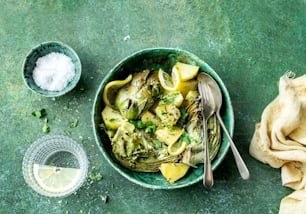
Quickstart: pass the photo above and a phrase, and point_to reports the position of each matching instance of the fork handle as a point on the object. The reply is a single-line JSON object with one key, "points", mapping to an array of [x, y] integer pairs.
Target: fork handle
{"points": [[208, 178], [242, 168]]}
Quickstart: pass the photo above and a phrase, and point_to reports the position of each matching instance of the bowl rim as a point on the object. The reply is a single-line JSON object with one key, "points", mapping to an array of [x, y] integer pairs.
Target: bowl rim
{"points": [[208, 70], [68, 88]]}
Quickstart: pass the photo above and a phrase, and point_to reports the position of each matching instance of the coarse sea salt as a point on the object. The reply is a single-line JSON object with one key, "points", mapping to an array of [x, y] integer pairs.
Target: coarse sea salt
{"points": [[53, 72]]}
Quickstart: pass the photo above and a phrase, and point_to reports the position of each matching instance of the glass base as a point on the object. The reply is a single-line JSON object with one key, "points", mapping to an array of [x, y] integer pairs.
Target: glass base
{"points": [[57, 151]]}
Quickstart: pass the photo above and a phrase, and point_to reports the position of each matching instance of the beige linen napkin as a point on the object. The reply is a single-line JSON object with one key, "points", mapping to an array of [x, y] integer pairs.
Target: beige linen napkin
{"points": [[280, 140]]}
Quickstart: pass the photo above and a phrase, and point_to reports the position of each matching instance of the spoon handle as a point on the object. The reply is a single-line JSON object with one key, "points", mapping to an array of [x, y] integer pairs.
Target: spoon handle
{"points": [[242, 168], [208, 179]]}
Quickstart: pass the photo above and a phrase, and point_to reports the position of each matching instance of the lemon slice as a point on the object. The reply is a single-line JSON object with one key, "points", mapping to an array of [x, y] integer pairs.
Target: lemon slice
{"points": [[167, 82], [186, 71], [111, 88], [177, 148], [175, 82], [56, 179]]}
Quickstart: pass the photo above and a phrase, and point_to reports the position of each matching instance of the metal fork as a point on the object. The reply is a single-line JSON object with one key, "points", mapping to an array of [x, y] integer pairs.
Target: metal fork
{"points": [[207, 110]]}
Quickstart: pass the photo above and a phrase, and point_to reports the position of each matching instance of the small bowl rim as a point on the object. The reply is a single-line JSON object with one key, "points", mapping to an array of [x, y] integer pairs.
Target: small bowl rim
{"points": [[115, 69], [68, 88]]}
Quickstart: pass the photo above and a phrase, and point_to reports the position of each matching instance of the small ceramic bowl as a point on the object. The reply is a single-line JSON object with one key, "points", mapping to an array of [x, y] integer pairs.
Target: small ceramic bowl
{"points": [[42, 50], [153, 59]]}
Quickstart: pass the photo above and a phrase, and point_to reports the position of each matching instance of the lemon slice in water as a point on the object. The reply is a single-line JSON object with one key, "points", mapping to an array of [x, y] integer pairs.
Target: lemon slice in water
{"points": [[56, 179]]}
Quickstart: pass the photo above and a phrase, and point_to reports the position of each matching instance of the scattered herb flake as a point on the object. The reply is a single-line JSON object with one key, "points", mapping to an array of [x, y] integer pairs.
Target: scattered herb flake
{"points": [[74, 123], [94, 177], [46, 128], [104, 199], [67, 132], [66, 106], [40, 113]]}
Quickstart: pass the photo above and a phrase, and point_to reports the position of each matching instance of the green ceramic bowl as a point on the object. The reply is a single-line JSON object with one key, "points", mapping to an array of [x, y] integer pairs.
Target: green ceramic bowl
{"points": [[42, 50], [156, 58]]}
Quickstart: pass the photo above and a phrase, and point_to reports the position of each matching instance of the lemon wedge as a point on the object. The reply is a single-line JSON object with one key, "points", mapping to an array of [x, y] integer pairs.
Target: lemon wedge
{"points": [[186, 71], [111, 88], [56, 179], [175, 82], [177, 148]]}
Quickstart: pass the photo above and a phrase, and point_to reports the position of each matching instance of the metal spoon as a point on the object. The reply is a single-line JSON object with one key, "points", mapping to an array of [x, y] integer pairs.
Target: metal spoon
{"points": [[217, 96], [207, 110]]}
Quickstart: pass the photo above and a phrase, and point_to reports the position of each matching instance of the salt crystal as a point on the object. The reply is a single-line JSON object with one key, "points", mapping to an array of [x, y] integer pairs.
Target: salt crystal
{"points": [[53, 72], [126, 38]]}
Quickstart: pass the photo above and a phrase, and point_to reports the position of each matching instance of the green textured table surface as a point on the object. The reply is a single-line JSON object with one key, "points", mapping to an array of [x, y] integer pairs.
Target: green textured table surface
{"points": [[250, 44]]}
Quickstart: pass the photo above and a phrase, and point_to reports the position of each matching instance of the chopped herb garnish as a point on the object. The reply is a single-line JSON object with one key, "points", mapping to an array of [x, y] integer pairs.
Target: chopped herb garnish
{"points": [[184, 116], [158, 144], [135, 109], [150, 127], [137, 123], [168, 98], [186, 138], [184, 113], [155, 91]]}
